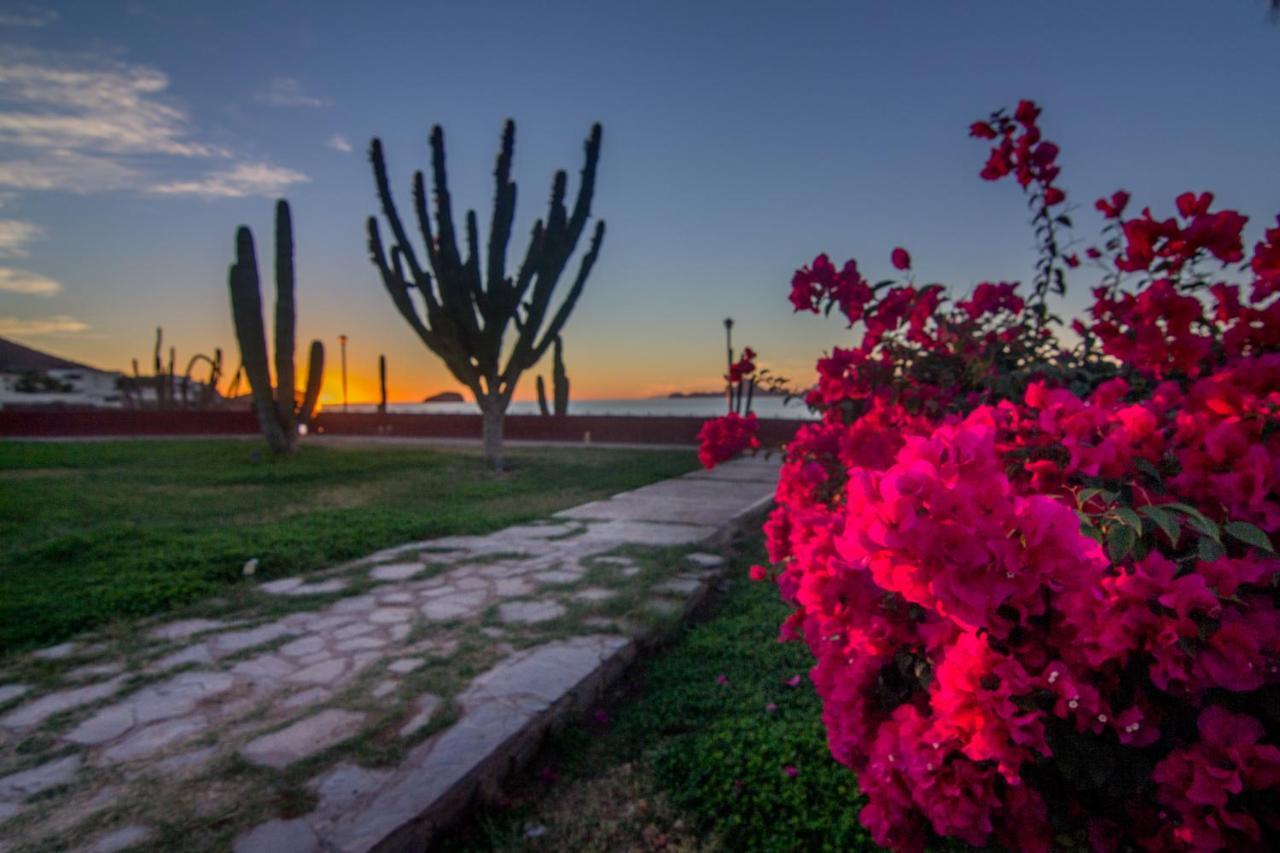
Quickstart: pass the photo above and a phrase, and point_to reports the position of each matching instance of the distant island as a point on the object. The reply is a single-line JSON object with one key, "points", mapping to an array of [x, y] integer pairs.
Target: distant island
{"points": [[445, 397]]}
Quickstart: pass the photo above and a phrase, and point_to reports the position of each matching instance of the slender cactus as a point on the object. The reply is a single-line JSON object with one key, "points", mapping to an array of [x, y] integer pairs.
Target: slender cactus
{"points": [[465, 313], [382, 384], [560, 380], [542, 398], [277, 408]]}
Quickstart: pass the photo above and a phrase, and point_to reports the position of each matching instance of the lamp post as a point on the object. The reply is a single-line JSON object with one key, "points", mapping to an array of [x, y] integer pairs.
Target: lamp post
{"points": [[728, 345], [342, 339]]}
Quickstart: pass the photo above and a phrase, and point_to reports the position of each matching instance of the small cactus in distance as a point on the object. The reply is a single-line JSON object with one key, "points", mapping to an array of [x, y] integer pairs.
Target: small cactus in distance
{"points": [[279, 413], [382, 384], [560, 380], [559, 383]]}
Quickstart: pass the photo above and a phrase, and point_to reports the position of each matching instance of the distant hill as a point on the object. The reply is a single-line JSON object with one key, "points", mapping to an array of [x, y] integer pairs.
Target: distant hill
{"points": [[445, 397], [15, 358]]}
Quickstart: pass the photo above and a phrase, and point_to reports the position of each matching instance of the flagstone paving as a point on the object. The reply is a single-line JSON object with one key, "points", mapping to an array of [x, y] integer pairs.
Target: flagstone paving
{"points": [[361, 707]]}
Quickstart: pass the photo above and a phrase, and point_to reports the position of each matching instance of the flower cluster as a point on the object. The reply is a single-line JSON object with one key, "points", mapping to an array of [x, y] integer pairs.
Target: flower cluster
{"points": [[1021, 151], [743, 368], [723, 438], [1040, 583]]}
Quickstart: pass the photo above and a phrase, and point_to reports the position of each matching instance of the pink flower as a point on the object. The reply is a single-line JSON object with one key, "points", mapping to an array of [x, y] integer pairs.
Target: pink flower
{"points": [[722, 680], [901, 260], [791, 770]]}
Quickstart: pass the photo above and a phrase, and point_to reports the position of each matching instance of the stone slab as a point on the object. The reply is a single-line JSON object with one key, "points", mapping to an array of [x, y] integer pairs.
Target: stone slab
{"points": [[186, 629], [37, 711], [305, 737], [279, 836], [19, 786]]}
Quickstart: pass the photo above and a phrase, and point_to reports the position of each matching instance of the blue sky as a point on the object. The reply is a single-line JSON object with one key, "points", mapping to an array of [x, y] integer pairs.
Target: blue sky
{"points": [[740, 140]]}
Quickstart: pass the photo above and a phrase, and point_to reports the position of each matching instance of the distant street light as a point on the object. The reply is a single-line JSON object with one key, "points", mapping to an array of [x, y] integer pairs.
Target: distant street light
{"points": [[728, 345], [342, 339]]}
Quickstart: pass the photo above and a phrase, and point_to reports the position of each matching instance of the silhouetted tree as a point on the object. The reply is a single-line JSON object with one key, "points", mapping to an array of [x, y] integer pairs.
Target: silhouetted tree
{"points": [[466, 313]]}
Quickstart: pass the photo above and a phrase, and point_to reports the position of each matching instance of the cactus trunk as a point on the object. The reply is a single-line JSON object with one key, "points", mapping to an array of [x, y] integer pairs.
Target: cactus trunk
{"points": [[493, 412]]}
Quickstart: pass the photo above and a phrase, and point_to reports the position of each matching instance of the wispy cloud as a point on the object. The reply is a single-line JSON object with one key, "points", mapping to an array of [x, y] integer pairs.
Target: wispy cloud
{"points": [[338, 142], [288, 92], [29, 16], [245, 179], [15, 234], [87, 123], [65, 170], [59, 325], [91, 105], [28, 283]]}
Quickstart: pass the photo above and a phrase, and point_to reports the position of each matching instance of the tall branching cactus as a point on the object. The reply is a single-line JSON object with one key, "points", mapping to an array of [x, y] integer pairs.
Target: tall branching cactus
{"points": [[466, 311], [277, 408]]}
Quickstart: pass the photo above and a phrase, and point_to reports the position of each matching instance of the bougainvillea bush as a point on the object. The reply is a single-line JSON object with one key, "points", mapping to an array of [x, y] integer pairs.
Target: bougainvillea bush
{"points": [[1035, 562]]}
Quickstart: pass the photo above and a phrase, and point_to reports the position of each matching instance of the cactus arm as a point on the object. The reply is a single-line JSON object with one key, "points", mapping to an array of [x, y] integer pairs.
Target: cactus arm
{"points": [[566, 307], [424, 220], [389, 210], [438, 343], [504, 211], [246, 312], [315, 376], [447, 242], [286, 381], [472, 266], [542, 398]]}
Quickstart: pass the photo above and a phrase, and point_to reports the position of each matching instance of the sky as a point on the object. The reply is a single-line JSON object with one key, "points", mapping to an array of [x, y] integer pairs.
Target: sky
{"points": [[740, 140]]}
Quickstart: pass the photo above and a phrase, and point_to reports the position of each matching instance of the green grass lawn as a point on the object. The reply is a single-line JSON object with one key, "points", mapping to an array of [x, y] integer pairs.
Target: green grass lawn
{"points": [[92, 533], [683, 759]]}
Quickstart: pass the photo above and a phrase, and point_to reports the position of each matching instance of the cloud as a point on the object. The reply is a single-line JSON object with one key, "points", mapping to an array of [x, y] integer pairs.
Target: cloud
{"points": [[338, 142], [87, 123], [28, 283], [59, 325], [91, 105], [14, 236], [244, 179], [287, 92], [30, 16], [65, 170]]}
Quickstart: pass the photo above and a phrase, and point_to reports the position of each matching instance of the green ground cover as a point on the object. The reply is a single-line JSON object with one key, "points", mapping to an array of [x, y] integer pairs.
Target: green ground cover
{"points": [[680, 758], [99, 533]]}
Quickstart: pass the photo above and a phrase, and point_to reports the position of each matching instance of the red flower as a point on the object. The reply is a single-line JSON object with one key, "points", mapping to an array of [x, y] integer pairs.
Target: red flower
{"points": [[1113, 208], [982, 130], [901, 260]]}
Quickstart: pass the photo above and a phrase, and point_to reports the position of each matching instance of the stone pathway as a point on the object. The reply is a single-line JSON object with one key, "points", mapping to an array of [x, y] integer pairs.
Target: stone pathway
{"points": [[373, 702]]}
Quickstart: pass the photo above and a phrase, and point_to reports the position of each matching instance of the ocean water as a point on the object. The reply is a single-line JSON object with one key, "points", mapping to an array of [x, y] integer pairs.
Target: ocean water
{"points": [[686, 407]]}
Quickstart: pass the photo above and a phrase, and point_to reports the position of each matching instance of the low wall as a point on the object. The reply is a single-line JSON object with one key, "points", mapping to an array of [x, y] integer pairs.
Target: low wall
{"points": [[628, 429], [104, 422]]}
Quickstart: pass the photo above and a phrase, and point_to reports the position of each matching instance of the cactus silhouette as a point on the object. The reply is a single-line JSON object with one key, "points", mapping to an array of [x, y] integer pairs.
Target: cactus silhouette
{"points": [[466, 313], [382, 384], [560, 380], [279, 413]]}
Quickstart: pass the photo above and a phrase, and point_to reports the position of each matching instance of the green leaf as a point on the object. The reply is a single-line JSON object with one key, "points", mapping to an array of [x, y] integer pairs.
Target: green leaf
{"points": [[1165, 521], [1197, 520], [1249, 535], [1211, 549], [1150, 470], [1129, 517], [1085, 495], [1120, 541], [1087, 529]]}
